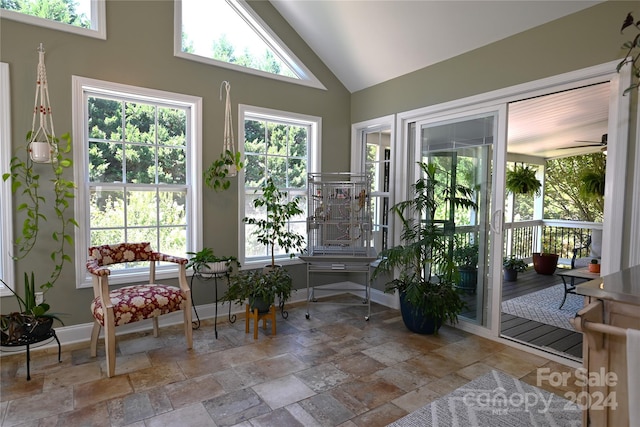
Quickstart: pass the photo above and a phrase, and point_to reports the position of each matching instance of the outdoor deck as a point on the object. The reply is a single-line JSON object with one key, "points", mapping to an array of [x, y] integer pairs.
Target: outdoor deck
{"points": [[533, 333]]}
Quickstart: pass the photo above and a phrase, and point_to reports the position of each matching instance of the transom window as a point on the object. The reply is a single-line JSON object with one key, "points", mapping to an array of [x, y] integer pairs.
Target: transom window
{"points": [[285, 147], [230, 34], [84, 17], [138, 158]]}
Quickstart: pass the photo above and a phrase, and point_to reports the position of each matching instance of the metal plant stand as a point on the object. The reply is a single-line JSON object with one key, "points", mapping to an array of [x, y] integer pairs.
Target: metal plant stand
{"points": [[206, 276], [27, 340]]}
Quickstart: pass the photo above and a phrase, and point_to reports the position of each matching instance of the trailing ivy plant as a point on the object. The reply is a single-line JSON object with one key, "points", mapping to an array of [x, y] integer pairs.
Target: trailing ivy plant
{"points": [[28, 185], [218, 174], [633, 52]]}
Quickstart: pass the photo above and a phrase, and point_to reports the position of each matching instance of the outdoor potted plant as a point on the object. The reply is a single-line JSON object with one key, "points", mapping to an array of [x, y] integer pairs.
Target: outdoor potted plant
{"points": [[512, 266], [545, 263], [29, 186], [522, 180], [594, 266], [205, 261], [426, 280], [465, 257]]}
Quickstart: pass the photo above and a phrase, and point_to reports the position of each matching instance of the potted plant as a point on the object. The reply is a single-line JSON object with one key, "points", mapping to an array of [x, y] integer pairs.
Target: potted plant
{"points": [[27, 183], [594, 266], [218, 173], [425, 271], [272, 229], [512, 266], [465, 257], [545, 263], [522, 180], [260, 288], [206, 262]]}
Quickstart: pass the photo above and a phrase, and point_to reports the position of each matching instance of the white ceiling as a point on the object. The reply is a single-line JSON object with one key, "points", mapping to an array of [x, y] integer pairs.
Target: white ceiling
{"points": [[367, 42]]}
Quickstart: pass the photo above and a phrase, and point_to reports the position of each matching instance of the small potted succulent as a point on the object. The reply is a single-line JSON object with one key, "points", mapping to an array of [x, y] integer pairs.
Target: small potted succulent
{"points": [[512, 266], [594, 266]]}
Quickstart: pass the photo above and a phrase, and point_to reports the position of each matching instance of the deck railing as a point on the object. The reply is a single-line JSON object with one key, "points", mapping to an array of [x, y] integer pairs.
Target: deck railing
{"points": [[562, 237]]}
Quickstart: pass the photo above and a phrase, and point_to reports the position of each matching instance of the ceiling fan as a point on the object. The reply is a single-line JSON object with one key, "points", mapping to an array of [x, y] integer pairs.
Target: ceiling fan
{"points": [[601, 143]]}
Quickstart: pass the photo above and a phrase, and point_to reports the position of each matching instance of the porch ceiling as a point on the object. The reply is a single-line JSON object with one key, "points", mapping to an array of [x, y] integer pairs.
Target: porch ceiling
{"points": [[555, 125]]}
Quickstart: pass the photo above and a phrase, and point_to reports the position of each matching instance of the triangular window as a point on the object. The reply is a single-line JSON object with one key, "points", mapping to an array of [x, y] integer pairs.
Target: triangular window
{"points": [[230, 34]]}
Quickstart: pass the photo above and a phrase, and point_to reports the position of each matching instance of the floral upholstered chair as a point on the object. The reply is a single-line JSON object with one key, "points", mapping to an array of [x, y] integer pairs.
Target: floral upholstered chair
{"points": [[116, 307]]}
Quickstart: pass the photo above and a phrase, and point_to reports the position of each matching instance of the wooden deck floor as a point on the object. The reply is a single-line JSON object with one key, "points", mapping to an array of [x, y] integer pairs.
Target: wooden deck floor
{"points": [[549, 338]]}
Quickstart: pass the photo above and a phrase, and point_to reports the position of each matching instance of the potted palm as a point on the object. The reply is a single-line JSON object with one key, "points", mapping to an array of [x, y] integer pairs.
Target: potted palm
{"points": [[27, 184], [512, 265], [425, 272]]}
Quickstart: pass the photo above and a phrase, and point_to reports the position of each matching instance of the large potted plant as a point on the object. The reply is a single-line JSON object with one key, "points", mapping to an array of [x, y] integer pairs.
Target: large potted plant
{"points": [[259, 288], [425, 274], [29, 187]]}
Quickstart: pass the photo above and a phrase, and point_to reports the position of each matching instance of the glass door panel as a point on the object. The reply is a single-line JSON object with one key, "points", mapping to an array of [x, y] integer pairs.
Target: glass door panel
{"points": [[462, 150]]}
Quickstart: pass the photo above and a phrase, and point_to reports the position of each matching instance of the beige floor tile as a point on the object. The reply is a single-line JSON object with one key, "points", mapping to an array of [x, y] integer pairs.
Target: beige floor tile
{"points": [[86, 394], [38, 406], [283, 391]]}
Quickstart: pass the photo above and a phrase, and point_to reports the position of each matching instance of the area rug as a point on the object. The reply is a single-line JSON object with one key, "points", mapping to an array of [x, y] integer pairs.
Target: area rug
{"points": [[542, 306], [495, 400]]}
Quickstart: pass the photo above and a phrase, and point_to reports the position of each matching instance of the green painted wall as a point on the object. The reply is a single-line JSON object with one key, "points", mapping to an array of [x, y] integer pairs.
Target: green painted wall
{"points": [[139, 51]]}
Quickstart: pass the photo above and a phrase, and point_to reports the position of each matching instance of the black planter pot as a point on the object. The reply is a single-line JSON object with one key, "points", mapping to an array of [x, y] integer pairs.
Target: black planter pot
{"points": [[510, 275], [415, 321], [27, 330], [259, 303]]}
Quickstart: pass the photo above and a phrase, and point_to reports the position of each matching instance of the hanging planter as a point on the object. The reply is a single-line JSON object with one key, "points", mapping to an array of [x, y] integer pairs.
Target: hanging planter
{"points": [[42, 145], [522, 180], [230, 161]]}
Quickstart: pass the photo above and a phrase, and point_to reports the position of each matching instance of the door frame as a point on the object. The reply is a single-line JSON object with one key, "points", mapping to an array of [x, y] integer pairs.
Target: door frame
{"points": [[616, 165]]}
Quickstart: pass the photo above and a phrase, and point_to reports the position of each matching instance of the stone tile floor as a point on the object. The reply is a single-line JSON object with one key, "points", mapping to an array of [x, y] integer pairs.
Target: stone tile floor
{"points": [[334, 369]]}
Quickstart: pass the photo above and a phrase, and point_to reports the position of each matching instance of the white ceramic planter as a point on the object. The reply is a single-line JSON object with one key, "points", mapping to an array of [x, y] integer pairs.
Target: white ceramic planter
{"points": [[214, 267], [40, 151]]}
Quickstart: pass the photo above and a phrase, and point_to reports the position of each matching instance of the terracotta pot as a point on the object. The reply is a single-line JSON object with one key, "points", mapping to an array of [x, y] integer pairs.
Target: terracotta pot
{"points": [[545, 263], [594, 268]]}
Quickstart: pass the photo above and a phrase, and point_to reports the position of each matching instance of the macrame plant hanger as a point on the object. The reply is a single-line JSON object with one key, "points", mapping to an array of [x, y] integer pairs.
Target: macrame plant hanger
{"points": [[42, 143], [228, 148]]}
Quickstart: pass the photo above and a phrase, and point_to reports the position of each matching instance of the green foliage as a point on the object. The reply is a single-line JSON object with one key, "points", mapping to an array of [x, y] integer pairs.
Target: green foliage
{"points": [[198, 260], [514, 263], [564, 197], [427, 273], [26, 182], [265, 285], [218, 173], [522, 180], [466, 255], [56, 10], [273, 228], [633, 52]]}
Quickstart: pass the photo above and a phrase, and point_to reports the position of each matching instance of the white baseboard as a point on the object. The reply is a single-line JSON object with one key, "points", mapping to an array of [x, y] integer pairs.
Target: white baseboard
{"points": [[81, 333]]}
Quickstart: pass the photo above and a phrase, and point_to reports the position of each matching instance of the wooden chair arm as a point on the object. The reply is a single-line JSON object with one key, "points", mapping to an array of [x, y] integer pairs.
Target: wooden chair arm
{"points": [[158, 256], [97, 270]]}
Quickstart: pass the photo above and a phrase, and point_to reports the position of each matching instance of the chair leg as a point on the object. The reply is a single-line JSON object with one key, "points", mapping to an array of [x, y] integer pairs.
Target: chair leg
{"points": [[155, 327], [95, 334], [110, 342], [188, 327]]}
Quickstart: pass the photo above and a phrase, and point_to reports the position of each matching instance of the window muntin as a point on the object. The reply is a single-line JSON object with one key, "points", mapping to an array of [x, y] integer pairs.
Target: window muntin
{"points": [[378, 168], [83, 17], [230, 34], [141, 175], [285, 147]]}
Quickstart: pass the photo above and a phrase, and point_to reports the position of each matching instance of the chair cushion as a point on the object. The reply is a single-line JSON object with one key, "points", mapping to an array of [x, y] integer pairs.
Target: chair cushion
{"points": [[138, 302]]}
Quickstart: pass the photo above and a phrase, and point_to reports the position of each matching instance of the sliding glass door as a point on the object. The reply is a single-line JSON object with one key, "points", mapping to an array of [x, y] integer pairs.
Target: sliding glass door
{"points": [[462, 149]]}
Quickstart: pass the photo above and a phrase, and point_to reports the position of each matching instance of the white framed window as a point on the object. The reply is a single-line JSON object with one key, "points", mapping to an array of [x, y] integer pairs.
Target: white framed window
{"points": [[229, 34], [83, 17], [138, 172], [281, 145], [371, 153], [6, 215]]}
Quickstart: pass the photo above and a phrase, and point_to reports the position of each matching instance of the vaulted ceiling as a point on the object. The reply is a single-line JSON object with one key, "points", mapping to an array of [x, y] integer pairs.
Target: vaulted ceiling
{"points": [[367, 42]]}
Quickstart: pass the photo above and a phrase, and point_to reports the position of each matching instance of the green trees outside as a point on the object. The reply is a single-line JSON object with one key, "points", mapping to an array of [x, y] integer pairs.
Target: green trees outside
{"points": [[56, 10]]}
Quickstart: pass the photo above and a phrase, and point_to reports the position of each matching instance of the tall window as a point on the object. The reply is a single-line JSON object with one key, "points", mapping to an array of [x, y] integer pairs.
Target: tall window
{"points": [[371, 148], [137, 152], [84, 17], [6, 208], [228, 33], [285, 147]]}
